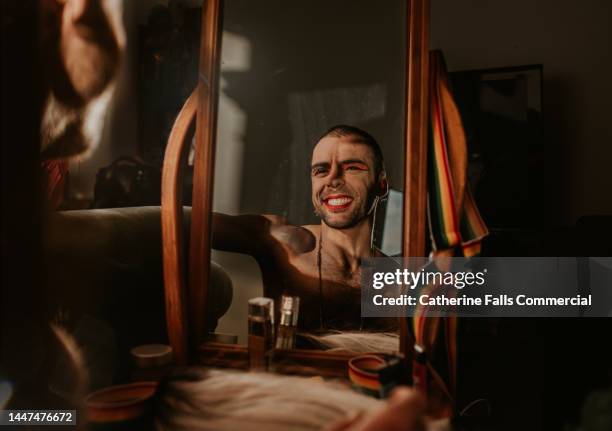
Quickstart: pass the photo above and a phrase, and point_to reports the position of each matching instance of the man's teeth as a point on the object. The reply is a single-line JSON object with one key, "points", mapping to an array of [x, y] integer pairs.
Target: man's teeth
{"points": [[338, 201]]}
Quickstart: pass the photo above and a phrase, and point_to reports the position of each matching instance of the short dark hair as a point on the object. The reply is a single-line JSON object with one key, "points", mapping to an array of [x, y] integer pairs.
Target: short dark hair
{"points": [[363, 137]]}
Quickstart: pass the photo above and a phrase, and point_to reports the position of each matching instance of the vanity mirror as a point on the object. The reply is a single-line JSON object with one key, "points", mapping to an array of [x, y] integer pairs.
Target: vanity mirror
{"points": [[308, 78], [273, 81]]}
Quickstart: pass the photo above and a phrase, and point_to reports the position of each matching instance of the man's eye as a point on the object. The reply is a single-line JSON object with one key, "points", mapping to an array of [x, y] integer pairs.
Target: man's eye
{"points": [[355, 168], [319, 171]]}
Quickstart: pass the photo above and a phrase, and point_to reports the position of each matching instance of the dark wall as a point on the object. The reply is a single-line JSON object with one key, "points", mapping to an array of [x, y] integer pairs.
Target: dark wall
{"points": [[571, 41]]}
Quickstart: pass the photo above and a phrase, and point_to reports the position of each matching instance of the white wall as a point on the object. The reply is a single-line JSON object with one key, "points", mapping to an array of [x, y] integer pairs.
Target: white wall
{"points": [[571, 39]]}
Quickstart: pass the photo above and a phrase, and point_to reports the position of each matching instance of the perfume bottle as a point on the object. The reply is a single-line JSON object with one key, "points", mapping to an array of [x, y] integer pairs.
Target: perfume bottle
{"points": [[287, 326], [261, 333]]}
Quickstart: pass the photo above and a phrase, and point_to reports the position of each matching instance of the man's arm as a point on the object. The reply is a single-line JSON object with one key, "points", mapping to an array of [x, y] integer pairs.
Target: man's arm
{"points": [[259, 235]]}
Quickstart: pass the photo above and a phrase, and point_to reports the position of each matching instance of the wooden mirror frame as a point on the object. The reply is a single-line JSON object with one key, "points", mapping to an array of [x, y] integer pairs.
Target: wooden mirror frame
{"points": [[185, 302]]}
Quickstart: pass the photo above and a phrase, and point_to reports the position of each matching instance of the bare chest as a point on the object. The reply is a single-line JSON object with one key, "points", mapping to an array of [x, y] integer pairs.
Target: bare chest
{"points": [[328, 292]]}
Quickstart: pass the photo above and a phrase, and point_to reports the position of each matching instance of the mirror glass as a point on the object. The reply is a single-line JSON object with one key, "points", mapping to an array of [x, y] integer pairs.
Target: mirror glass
{"points": [[290, 71]]}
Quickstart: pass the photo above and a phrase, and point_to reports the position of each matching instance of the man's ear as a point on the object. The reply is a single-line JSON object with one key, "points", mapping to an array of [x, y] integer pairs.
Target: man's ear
{"points": [[383, 185]]}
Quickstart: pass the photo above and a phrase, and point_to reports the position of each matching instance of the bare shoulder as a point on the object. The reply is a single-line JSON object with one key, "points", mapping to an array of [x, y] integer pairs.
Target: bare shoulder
{"points": [[276, 220], [298, 239], [314, 229]]}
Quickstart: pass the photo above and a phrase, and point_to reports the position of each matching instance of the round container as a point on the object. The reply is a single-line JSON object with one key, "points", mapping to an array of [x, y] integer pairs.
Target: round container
{"points": [[217, 337], [152, 355], [120, 407], [364, 372], [151, 362]]}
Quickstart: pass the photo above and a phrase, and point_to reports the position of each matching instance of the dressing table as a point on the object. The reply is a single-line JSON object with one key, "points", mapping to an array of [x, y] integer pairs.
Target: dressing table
{"points": [[185, 288]]}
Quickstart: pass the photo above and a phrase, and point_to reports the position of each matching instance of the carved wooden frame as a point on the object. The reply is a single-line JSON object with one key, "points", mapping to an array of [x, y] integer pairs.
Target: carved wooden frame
{"points": [[185, 302]]}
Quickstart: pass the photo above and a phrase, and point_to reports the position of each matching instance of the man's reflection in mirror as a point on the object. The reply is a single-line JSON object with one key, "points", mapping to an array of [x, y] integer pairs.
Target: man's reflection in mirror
{"points": [[321, 263]]}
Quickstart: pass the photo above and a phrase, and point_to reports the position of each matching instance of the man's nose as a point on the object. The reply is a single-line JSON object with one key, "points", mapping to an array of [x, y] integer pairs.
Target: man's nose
{"points": [[336, 177]]}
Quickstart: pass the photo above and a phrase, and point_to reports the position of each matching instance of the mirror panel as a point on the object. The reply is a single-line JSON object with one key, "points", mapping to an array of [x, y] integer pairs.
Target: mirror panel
{"points": [[290, 71]]}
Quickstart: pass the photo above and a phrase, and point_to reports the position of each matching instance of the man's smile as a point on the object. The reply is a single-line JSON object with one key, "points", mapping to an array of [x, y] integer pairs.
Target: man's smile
{"points": [[337, 203]]}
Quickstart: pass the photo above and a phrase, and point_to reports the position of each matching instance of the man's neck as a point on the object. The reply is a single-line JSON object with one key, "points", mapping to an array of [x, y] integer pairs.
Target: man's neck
{"points": [[348, 246]]}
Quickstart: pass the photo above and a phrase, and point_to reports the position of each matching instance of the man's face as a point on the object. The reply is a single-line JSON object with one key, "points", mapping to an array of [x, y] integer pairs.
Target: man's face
{"points": [[343, 180], [83, 39], [81, 44]]}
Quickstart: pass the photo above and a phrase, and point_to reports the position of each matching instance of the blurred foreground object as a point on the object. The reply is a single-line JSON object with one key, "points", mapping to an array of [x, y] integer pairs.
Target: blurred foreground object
{"points": [[81, 43]]}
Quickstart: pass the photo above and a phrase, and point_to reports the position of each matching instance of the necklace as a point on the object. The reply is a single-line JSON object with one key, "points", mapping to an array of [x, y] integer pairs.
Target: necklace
{"points": [[320, 271], [321, 320]]}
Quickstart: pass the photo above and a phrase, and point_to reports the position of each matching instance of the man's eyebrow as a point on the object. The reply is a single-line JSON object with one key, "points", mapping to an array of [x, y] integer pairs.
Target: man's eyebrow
{"points": [[320, 165], [348, 161]]}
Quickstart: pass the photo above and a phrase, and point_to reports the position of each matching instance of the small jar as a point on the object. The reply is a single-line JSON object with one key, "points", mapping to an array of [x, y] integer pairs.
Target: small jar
{"points": [[151, 362]]}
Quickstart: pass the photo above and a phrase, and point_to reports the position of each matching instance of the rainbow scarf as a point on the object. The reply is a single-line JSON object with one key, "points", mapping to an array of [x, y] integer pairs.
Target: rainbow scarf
{"points": [[454, 220]]}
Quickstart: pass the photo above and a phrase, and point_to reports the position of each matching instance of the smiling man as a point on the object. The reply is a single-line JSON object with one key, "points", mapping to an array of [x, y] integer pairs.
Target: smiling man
{"points": [[319, 263]]}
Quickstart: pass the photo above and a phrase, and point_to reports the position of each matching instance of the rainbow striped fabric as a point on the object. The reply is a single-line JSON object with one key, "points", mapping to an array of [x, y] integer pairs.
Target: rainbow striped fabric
{"points": [[454, 220]]}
